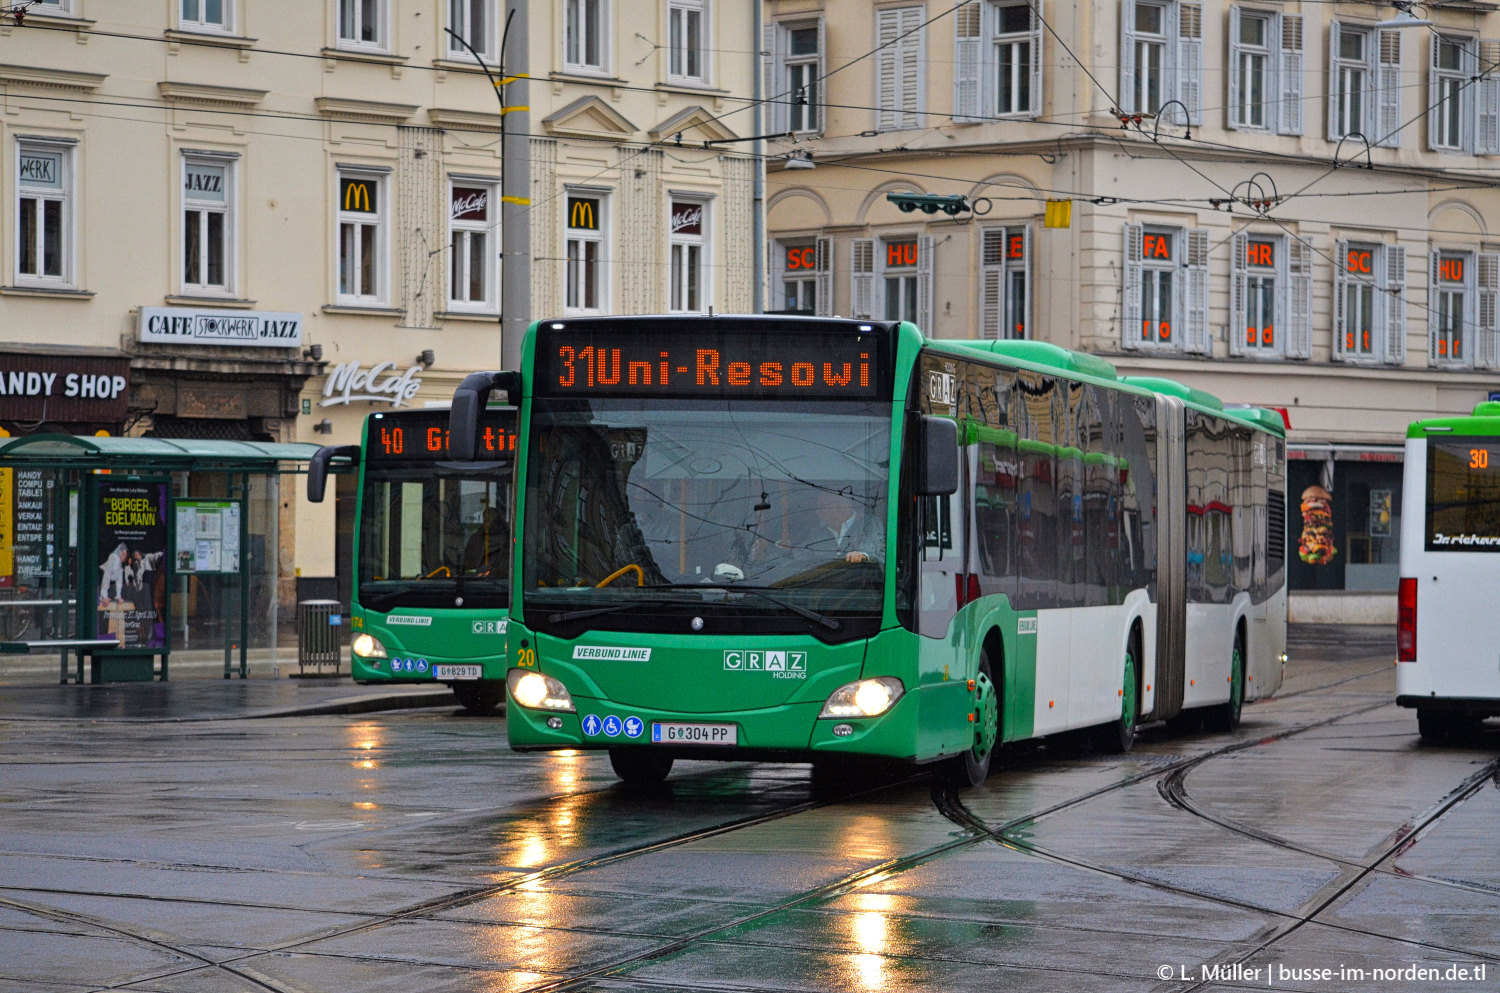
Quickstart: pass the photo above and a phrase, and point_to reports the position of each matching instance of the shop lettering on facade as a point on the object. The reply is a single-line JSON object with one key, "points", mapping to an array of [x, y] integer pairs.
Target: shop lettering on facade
{"points": [[45, 384], [63, 388], [349, 381], [186, 326]]}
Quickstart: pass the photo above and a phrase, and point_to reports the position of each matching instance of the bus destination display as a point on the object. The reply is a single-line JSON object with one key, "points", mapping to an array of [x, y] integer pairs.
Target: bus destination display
{"points": [[820, 365], [422, 436]]}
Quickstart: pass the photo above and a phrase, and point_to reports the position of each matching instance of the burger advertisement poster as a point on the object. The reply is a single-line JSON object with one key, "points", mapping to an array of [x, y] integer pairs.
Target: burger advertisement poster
{"points": [[131, 558], [1316, 544]]}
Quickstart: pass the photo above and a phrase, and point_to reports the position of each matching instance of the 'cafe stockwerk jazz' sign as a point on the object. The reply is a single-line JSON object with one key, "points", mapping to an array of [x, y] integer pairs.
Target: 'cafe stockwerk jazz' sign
{"points": [[191, 326]]}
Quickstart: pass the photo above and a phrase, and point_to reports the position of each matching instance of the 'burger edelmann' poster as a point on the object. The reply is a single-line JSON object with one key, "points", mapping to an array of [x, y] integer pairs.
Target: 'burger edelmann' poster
{"points": [[132, 553]]}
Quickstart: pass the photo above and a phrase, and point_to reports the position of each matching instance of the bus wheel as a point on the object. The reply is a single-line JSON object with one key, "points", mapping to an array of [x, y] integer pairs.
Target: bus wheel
{"points": [[971, 768], [480, 697], [1118, 735], [640, 766], [1226, 716]]}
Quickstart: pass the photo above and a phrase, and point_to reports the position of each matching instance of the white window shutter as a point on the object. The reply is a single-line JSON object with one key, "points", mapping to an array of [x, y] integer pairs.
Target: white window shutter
{"points": [[1130, 292], [913, 66], [991, 283], [1387, 123], [1239, 279], [1196, 272], [772, 77], [1025, 332], [820, 106], [1334, 134], [1296, 335], [1236, 116], [1340, 299], [1432, 309], [887, 29], [823, 274], [1487, 101], [1190, 61], [1036, 59], [1487, 336], [1434, 87], [924, 284], [1127, 60], [1395, 304], [967, 41], [1289, 76], [862, 279], [1470, 334], [776, 270]]}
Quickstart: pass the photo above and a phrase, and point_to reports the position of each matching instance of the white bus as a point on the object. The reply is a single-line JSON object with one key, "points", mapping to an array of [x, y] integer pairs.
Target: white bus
{"points": [[1448, 644]]}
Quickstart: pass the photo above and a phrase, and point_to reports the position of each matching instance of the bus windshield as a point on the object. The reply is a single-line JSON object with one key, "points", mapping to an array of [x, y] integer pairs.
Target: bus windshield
{"points": [[641, 503], [429, 535]]}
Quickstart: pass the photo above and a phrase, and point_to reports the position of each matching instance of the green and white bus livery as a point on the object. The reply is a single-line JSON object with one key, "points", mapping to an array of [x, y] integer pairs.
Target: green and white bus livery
{"points": [[802, 539], [431, 552], [1447, 662]]}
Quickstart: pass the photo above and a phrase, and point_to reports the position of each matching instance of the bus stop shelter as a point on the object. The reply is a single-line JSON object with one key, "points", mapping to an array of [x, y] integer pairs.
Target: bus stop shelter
{"points": [[123, 551]]}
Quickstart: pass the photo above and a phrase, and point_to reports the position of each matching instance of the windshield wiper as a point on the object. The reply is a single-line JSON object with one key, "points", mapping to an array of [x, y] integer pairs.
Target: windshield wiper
{"points": [[811, 615], [578, 615]]}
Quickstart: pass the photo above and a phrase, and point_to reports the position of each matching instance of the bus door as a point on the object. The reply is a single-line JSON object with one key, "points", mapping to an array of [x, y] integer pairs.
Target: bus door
{"points": [[1171, 557]]}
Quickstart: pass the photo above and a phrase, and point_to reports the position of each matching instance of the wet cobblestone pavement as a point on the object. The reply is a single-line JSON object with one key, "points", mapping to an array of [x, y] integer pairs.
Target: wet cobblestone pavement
{"points": [[211, 836]]}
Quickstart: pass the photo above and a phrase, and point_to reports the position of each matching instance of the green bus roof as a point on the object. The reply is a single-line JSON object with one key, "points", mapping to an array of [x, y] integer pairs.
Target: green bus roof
{"points": [[1173, 388], [1485, 420], [1047, 354]]}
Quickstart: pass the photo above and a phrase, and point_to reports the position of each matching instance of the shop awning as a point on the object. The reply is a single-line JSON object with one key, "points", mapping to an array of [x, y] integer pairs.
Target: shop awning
{"points": [[148, 454]]}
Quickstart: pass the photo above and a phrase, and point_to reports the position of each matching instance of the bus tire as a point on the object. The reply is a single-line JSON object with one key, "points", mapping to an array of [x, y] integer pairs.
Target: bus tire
{"points": [[481, 697], [1118, 735], [639, 766], [1226, 716], [971, 768]]}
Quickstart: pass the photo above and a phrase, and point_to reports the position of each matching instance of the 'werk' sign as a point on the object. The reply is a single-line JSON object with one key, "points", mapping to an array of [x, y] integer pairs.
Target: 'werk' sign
{"points": [[188, 326]]}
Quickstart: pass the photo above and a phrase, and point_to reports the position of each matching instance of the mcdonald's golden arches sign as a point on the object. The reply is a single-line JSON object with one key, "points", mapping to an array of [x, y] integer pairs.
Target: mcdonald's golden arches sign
{"points": [[583, 212], [359, 195]]}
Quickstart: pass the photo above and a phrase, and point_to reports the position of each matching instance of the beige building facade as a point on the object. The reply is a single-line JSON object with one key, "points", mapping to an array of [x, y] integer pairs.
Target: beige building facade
{"points": [[272, 219], [1283, 204]]}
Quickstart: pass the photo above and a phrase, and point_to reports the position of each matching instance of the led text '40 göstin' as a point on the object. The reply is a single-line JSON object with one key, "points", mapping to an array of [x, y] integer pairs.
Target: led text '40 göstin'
{"points": [[591, 367]]}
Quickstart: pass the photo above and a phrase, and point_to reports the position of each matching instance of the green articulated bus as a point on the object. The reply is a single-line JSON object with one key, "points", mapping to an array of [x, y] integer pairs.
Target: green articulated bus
{"points": [[804, 539], [431, 552]]}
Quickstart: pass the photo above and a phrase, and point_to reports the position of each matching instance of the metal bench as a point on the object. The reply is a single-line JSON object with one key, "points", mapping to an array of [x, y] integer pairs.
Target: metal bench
{"points": [[63, 646]]}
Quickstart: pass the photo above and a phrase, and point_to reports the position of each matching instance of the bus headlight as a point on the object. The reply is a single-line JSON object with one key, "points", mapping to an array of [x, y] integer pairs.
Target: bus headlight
{"points": [[367, 646], [866, 698], [538, 692]]}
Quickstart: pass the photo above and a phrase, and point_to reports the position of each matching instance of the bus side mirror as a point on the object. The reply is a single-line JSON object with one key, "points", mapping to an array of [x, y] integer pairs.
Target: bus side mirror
{"points": [[937, 456], [317, 469], [469, 401]]}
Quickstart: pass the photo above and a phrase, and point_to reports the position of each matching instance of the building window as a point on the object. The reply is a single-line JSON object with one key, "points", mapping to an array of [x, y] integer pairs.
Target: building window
{"points": [[802, 273], [585, 290], [53, 8], [899, 67], [688, 244], [1369, 303], [892, 279], [362, 24], [207, 15], [997, 60], [44, 215], [207, 224], [475, 22], [1005, 282], [1364, 87], [1265, 71], [1453, 311], [583, 34], [362, 250], [791, 67], [1271, 296], [1464, 96], [1166, 289], [1161, 59], [686, 23], [472, 259]]}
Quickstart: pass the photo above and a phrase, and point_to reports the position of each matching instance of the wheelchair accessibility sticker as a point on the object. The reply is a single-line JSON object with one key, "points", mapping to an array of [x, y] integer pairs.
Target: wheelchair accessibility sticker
{"points": [[780, 664]]}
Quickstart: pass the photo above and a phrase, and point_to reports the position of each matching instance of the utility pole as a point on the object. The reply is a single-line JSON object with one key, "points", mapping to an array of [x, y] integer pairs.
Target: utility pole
{"points": [[515, 184]]}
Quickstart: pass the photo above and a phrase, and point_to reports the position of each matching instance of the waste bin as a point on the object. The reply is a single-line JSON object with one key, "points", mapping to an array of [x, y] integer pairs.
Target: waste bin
{"points": [[318, 642]]}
